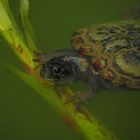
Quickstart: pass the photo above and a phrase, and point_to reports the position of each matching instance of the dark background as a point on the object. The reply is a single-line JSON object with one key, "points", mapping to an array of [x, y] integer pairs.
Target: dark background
{"points": [[24, 114]]}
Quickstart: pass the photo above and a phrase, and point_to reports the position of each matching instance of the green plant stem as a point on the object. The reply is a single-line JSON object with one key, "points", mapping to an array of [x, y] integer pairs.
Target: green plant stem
{"points": [[80, 120], [19, 47]]}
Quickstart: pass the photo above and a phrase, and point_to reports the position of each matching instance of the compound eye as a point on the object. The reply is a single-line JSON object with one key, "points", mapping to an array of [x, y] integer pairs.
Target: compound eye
{"points": [[56, 73], [61, 73], [57, 70]]}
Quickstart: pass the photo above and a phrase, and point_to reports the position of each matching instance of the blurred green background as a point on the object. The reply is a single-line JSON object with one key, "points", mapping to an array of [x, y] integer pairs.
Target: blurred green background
{"points": [[24, 114]]}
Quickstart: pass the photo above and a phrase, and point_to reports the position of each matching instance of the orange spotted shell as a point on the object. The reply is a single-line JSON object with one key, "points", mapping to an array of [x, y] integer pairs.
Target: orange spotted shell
{"points": [[113, 50]]}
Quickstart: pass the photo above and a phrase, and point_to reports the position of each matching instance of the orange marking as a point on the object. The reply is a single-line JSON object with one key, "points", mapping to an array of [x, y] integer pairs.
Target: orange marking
{"points": [[109, 75], [84, 51], [78, 41], [98, 65], [69, 121], [19, 49]]}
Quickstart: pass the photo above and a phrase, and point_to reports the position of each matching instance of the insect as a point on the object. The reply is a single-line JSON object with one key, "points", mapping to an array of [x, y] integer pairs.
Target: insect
{"points": [[103, 56]]}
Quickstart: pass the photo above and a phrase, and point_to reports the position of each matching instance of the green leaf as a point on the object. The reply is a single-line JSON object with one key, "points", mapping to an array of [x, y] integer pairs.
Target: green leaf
{"points": [[19, 47], [5, 22], [6, 5], [79, 120], [12, 34], [29, 33]]}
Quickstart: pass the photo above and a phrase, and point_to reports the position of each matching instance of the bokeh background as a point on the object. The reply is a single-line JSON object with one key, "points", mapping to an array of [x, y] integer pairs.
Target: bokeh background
{"points": [[24, 114]]}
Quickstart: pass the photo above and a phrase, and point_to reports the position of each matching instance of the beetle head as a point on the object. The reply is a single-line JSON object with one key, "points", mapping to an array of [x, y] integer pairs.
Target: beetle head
{"points": [[58, 69]]}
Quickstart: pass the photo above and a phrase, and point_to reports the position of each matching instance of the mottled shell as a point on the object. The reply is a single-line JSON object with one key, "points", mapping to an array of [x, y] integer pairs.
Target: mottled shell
{"points": [[113, 50]]}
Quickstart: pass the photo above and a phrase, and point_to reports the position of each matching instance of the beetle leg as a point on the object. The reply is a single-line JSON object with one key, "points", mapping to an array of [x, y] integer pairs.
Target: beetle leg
{"points": [[39, 60], [81, 97], [41, 57], [39, 54], [37, 67]]}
